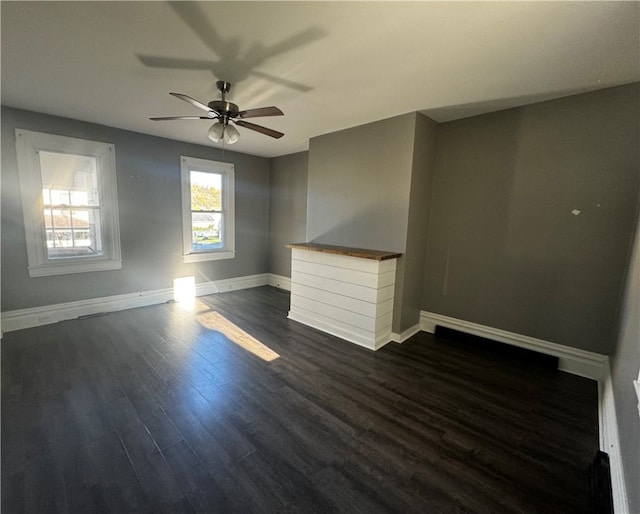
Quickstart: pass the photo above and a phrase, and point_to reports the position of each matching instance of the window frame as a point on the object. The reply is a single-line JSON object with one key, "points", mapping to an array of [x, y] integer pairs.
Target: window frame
{"points": [[28, 146], [226, 170]]}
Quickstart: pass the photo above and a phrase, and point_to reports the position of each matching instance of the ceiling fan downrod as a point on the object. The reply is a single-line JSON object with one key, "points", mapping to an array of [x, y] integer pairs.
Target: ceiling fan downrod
{"points": [[223, 87]]}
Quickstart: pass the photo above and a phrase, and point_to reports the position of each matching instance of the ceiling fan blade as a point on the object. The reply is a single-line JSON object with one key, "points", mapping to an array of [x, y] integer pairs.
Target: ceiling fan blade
{"points": [[186, 98], [263, 130], [260, 111], [160, 118]]}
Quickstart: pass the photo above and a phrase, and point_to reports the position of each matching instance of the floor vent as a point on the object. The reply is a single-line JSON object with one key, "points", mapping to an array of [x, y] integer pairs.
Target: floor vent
{"points": [[600, 484], [515, 352]]}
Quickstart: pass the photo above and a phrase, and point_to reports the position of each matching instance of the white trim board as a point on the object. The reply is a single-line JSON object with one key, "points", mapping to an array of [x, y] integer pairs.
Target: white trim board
{"points": [[280, 282], [46, 314], [405, 334], [609, 440], [572, 360]]}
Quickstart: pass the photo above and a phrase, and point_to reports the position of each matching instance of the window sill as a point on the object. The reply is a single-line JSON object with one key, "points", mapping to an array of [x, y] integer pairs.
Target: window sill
{"points": [[67, 268], [208, 256]]}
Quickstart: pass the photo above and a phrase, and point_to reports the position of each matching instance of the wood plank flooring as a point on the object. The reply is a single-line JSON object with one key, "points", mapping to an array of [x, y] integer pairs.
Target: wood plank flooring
{"points": [[152, 411]]}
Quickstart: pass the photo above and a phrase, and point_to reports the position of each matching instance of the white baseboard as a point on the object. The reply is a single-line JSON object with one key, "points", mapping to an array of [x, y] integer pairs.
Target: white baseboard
{"points": [[246, 282], [280, 282], [572, 360], [205, 288], [405, 334], [609, 440], [46, 314]]}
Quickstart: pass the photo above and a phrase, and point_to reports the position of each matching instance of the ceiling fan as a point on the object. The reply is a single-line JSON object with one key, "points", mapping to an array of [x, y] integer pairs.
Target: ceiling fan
{"points": [[224, 112]]}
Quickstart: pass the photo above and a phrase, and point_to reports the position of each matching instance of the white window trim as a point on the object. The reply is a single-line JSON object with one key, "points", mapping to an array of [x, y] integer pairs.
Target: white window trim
{"points": [[28, 145], [228, 251]]}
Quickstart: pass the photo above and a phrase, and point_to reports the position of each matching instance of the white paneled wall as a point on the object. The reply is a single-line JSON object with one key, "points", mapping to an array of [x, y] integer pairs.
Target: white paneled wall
{"points": [[349, 297]]}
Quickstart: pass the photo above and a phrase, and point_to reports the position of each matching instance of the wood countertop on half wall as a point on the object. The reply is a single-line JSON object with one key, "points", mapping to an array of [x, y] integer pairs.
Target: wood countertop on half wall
{"points": [[378, 255]]}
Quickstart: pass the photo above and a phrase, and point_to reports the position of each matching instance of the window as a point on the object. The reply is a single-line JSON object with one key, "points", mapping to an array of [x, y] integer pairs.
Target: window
{"points": [[69, 203], [207, 210]]}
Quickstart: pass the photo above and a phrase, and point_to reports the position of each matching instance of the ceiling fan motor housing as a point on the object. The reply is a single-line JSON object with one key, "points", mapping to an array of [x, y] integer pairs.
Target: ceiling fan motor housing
{"points": [[224, 108]]}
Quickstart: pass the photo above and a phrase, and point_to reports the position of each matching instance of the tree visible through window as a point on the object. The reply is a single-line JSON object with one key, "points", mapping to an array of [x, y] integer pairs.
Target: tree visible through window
{"points": [[206, 211]]}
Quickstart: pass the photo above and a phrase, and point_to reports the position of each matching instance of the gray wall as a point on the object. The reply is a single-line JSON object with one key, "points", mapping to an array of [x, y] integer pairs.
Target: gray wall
{"points": [[288, 209], [148, 175], [504, 249], [359, 184], [625, 363], [408, 300]]}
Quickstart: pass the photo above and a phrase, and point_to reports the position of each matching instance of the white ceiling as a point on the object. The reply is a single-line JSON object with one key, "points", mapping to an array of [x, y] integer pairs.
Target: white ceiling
{"points": [[327, 65]]}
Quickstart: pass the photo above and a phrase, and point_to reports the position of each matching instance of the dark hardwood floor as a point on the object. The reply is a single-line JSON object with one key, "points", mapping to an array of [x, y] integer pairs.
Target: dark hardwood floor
{"points": [[152, 410]]}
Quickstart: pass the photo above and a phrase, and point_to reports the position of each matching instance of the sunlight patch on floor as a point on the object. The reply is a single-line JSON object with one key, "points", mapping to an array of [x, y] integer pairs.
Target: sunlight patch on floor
{"points": [[216, 321], [184, 292]]}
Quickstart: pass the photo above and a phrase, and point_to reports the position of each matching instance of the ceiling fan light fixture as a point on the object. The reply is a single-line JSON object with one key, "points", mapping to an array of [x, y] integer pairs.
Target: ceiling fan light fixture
{"points": [[216, 132], [231, 134], [228, 133]]}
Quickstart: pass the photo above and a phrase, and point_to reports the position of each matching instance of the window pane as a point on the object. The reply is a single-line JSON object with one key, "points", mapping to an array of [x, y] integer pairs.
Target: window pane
{"points": [[59, 197], [71, 230], [79, 198], [70, 180], [205, 231], [205, 191], [60, 219]]}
